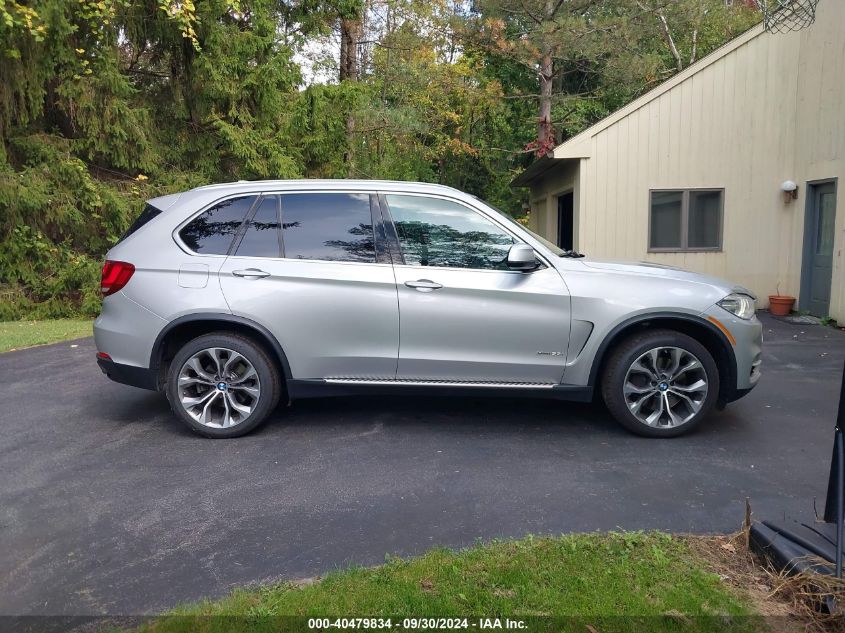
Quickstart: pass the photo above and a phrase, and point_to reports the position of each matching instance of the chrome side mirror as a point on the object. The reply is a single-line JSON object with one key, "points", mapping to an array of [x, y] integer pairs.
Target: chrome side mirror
{"points": [[522, 257]]}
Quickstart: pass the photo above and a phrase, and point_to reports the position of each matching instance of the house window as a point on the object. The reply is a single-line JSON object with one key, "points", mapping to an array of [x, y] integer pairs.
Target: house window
{"points": [[686, 220]]}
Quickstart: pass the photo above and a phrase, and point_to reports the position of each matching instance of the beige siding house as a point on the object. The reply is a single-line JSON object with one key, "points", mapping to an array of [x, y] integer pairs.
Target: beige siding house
{"points": [[691, 173]]}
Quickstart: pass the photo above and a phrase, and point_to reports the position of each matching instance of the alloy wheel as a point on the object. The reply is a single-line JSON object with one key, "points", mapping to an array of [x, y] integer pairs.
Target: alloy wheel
{"points": [[665, 387], [218, 387]]}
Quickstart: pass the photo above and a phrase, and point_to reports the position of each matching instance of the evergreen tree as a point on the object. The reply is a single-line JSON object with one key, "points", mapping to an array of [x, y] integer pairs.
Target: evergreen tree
{"points": [[106, 103]]}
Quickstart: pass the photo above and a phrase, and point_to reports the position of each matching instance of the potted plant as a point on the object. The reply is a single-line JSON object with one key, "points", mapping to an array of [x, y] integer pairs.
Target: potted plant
{"points": [[780, 305]]}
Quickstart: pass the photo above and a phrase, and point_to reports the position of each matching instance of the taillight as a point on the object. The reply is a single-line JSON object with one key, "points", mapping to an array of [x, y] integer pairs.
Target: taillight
{"points": [[115, 276]]}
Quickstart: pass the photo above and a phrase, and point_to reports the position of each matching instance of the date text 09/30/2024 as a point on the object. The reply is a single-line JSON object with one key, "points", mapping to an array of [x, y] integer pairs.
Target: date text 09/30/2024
{"points": [[411, 624]]}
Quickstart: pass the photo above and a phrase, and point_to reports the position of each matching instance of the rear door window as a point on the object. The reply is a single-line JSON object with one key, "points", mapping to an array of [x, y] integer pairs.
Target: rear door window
{"points": [[334, 227], [262, 235], [212, 232]]}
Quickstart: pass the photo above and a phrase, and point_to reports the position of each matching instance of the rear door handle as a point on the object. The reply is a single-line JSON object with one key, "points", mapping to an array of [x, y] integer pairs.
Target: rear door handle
{"points": [[423, 285], [251, 273]]}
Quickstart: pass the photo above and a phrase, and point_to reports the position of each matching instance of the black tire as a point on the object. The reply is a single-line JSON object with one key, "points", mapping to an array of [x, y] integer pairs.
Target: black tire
{"points": [[269, 382], [624, 356]]}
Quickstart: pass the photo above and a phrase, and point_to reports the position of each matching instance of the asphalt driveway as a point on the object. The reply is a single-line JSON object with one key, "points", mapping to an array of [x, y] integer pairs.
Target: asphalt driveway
{"points": [[108, 506]]}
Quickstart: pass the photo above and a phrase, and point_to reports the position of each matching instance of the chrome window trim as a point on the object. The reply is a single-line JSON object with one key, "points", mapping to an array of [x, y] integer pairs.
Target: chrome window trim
{"points": [[542, 255], [259, 194], [307, 261], [474, 270]]}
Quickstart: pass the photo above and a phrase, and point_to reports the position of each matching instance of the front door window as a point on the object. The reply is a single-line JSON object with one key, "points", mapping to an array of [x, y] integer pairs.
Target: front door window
{"points": [[437, 232]]}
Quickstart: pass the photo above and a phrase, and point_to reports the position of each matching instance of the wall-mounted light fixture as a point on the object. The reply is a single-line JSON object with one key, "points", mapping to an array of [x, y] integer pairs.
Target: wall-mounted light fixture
{"points": [[790, 191]]}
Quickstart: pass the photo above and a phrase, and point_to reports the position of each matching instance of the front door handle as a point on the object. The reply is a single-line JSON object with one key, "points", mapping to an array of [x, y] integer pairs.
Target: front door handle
{"points": [[251, 273], [423, 285]]}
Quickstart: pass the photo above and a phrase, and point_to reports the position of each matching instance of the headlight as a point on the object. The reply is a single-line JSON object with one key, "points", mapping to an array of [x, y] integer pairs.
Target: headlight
{"points": [[738, 305]]}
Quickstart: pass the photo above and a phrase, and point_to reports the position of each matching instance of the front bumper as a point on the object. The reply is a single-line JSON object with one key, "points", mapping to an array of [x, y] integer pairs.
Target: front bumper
{"points": [[141, 377], [747, 347], [748, 351], [737, 394]]}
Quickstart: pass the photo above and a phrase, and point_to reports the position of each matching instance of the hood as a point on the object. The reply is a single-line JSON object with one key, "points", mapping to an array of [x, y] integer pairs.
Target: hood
{"points": [[666, 272]]}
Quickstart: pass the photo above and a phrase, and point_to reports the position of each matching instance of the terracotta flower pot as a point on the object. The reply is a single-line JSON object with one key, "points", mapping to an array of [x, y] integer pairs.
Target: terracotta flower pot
{"points": [[781, 305]]}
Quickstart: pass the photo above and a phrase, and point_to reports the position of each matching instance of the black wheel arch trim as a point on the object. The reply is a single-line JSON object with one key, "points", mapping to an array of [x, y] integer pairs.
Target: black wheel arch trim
{"points": [[726, 391], [263, 332]]}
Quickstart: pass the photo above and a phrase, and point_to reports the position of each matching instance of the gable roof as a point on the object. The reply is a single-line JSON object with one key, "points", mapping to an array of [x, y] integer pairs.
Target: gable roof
{"points": [[579, 145]]}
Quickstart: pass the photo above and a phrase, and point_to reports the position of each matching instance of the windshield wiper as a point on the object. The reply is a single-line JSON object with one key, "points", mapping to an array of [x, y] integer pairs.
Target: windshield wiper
{"points": [[571, 253]]}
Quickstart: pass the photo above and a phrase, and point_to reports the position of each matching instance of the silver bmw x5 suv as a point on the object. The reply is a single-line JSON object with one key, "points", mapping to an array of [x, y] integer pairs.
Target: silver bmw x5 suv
{"points": [[231, 297]]}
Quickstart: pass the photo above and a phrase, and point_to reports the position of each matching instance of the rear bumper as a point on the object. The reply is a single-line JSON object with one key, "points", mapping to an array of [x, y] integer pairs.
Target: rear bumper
{"points": [[126, 331], [140, 377]]}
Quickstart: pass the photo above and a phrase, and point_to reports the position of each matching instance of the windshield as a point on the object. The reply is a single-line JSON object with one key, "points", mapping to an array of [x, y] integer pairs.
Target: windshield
{"points": [[557, 250]]}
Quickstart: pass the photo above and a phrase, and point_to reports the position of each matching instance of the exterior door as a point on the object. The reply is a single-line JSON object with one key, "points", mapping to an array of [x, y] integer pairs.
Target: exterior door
{"points": [[566, 221], [307, 268], [818, 254], [464, 316]]}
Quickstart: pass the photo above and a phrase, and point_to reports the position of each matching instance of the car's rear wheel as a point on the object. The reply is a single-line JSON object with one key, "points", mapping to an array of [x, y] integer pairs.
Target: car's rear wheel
{"points": [[222, 385], [660, 383]]}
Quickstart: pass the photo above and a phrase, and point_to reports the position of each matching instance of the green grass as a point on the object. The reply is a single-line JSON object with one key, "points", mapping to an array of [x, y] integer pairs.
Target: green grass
{"points": [[587, 579], [19, 334]]}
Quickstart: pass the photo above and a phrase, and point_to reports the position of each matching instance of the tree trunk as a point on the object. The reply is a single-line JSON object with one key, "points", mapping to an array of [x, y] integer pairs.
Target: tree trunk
{"points": [[350, 145], [351, 31], [350, 36], [670, 41], [344, 52], [666, 32], [693, 55], [545, 133]]}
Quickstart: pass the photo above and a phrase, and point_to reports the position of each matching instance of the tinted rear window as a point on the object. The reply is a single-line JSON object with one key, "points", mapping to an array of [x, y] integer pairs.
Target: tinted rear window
{"points": [[212, 232], [261, 238], [147, 214], [328, 226]]}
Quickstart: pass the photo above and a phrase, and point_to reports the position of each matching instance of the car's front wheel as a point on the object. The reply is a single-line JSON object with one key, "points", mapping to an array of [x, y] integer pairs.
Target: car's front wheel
{"points": [[222, 385], [660, 383]]}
